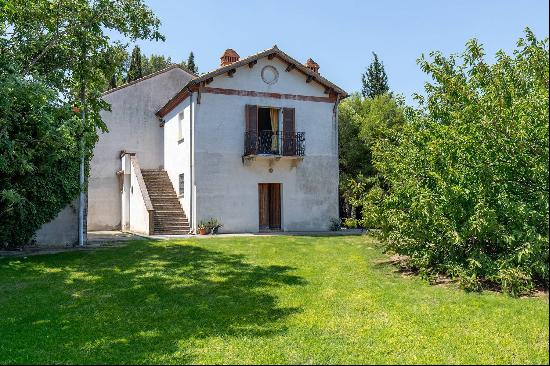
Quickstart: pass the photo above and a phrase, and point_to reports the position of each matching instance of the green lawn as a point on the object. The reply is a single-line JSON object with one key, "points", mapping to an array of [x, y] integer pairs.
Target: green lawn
{"points": [[253, 300]]}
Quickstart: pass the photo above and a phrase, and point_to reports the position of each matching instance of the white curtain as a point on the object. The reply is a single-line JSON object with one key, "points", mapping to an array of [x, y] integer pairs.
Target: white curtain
{"points": [[274, 115]]}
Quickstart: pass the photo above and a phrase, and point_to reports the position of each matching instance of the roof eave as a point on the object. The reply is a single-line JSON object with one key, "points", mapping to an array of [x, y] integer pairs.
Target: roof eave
{"points": [[162, 71], [219, 71]]}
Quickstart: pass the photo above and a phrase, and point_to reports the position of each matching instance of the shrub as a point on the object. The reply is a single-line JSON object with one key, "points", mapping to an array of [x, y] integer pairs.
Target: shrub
{"points": [[335, 224], [39, 156], [212, 225], [467, 182]]}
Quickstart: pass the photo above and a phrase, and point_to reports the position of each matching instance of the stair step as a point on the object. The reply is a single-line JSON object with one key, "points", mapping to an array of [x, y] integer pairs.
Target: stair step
{"points": [[175, 215], [170, 228], [171, 223], [170, 218], [176, 225]]}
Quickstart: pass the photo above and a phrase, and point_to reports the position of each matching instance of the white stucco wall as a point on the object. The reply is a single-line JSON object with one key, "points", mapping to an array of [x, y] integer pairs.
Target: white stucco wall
{"points": [[227, 189], [177, 151], [61, 231], [134, 127], [292, 82]]}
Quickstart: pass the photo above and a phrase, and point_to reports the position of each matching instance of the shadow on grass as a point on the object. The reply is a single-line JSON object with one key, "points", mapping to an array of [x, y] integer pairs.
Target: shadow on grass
{"points": [[144, 302]]}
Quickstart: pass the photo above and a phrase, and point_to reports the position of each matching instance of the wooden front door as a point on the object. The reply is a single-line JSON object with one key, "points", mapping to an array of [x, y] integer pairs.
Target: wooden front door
{"points": [[269, 195]]}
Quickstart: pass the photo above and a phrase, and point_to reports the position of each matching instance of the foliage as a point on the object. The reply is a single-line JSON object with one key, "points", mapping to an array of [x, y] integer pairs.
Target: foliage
{"points": [[335, 224], [64, 49], [135, 71], [253, 300], [375, 80], [190, 64], [363, 122], [211, 225], [135, 66], [34, 122], [154, 63], [468, 178]]}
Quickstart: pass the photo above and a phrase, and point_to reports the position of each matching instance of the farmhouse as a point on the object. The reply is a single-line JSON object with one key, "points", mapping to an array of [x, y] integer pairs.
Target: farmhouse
{"points": [[253, 144]]}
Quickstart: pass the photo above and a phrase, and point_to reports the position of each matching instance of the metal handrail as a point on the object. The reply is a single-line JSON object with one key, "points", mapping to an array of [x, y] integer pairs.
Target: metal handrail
{"points": [[267, 142]]}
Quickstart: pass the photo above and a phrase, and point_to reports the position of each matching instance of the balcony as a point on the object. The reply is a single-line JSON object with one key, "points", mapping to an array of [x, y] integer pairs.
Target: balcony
{"points": [[274, 144]]}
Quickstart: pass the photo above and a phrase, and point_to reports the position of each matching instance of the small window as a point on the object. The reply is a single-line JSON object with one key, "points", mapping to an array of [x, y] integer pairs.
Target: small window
{"points": [[180, 126], [181, 184]]}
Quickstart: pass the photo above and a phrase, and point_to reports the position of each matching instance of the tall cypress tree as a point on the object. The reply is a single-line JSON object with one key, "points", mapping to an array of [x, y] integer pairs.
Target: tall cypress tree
{"points": [[135, 71], [112, 82], [375, 80], [190, 64]]}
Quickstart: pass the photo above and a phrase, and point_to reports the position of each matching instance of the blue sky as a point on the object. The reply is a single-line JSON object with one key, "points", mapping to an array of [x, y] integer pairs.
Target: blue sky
{"points": [[340, 35]]}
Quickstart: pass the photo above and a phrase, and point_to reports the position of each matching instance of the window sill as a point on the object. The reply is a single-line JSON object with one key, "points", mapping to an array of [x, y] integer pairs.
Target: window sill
{"points": [[180, 140], [180, 196]]}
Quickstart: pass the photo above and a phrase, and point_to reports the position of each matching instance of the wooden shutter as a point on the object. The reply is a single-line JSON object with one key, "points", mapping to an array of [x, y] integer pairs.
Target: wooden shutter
{"points": [[251, 129], [289, 131], [263, 198], [251, 118], [275, 206]]}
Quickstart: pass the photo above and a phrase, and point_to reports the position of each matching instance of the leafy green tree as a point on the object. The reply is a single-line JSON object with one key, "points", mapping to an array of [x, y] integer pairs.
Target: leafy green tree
{"points": [[39, 153], [136, 70], [375, 80], [363, 122], [468, 178], [120, 70], [61, 47], [190, 64], [154, 63]]}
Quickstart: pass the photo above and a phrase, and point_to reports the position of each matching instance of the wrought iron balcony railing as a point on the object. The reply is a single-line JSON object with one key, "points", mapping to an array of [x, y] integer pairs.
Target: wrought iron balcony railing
{"points": [[274, 143]]}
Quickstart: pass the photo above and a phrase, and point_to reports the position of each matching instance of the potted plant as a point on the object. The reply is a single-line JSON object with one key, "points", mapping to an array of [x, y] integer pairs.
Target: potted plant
{"points": [[214, 225], [202, 228]]}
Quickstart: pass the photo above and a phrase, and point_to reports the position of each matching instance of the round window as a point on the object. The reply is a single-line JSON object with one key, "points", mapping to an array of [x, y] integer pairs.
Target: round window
{"points": [[270, 75]]}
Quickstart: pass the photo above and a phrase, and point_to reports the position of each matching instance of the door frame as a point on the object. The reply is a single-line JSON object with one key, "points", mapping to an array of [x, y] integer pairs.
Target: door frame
{"points": [[281, 209]]}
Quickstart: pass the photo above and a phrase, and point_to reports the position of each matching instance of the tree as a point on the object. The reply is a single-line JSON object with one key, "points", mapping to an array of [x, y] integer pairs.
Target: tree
{"points": [[39, 153], [113, 82], [363, 122], [154, 63], [190, 64], [375, 80], [135, 71], [468, 178], [64, 50]]}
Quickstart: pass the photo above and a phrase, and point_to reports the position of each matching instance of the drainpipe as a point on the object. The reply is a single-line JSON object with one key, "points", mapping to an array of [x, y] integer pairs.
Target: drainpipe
{"points": [[81, 195], [191, 160], [337, 150], [336, 120]]}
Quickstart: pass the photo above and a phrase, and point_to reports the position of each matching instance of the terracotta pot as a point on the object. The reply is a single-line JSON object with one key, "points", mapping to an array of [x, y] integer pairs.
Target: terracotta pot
{"points": [[202, 231]]}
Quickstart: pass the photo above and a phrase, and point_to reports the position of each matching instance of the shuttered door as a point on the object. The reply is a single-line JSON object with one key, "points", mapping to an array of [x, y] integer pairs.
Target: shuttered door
{"points": [[269, 197], [275, 206], [263, 196], [251, 128], [289, 132]]}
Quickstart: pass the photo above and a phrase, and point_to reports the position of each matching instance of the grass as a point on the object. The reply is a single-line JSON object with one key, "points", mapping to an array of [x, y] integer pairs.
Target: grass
{"points": [[253, 300]]}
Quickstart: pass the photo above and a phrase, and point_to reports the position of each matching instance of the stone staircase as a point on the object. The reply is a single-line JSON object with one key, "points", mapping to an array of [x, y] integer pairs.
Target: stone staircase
{"points": [[169, 218]]}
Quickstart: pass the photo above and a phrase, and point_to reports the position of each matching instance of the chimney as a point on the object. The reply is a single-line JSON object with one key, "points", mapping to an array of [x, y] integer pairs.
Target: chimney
{"points": [[229, 56], [312, 65]]}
